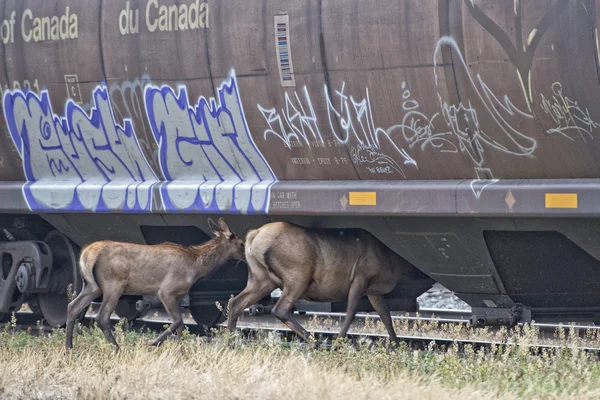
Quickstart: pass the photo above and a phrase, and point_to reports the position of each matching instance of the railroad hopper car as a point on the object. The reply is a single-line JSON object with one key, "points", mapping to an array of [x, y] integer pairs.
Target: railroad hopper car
{"points": [[465, 135]]}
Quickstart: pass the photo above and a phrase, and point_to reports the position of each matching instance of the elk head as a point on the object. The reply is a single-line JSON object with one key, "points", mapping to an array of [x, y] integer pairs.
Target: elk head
{"points": [[233, 244]]}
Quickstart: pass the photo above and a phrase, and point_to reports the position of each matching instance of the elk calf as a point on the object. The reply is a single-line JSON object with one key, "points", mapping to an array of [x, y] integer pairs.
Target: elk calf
{"points": [[167, 270], [318, 265]]}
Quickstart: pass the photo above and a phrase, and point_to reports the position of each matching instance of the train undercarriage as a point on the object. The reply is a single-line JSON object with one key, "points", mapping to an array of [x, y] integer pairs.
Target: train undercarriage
{"points": [[508, 270], [462, 134]]}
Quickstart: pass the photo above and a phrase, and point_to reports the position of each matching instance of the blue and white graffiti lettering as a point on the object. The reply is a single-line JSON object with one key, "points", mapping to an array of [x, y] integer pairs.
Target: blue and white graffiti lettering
{"points": [[79, 161], [128, 101], [206, 151]]}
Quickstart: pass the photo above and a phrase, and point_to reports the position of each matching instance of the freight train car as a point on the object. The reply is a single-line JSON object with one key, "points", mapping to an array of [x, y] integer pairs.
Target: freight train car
{"points": [[463, 134]]}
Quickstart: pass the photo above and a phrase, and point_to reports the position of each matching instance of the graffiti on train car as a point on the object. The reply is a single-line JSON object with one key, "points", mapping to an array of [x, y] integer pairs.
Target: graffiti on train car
{"points": [[520, 53], [128, 101], [206, 151], [454, 128], [356, 123], [85, 160], [80, 161], [570, 118], [503, 112], [297, 123]]}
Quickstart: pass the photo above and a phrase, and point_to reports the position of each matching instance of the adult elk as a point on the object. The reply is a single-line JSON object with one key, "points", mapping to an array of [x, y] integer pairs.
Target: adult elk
{"points": [[318, 265], [166, 270]]}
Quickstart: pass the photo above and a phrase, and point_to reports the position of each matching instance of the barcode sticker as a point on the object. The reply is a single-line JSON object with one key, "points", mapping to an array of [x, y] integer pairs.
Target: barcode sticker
{"points": [[284, 52]]}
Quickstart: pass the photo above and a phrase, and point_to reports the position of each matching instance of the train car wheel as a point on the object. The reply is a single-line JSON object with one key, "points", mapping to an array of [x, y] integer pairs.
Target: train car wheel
{"points": [[34, 305], [206, 317], [53, 306]]}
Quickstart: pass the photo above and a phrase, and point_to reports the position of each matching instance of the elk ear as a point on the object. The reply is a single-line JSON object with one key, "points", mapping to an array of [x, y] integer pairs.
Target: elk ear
{"points": [[213, 227], [224, 227]]}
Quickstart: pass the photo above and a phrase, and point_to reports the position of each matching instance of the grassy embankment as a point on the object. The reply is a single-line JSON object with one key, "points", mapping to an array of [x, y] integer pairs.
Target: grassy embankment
{"points": [[229, 367]]}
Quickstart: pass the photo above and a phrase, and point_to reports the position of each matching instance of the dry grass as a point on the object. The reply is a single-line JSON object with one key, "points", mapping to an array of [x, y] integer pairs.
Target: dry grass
{"points": [[229, 367], [524, 335]]}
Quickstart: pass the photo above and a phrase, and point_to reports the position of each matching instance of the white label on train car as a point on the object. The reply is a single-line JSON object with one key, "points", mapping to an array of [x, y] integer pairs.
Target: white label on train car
{"points": [[284, 51]]}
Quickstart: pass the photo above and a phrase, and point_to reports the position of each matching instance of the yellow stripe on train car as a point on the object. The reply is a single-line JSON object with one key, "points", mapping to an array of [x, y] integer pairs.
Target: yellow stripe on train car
{"points": [[561, 200], [363, 198]]}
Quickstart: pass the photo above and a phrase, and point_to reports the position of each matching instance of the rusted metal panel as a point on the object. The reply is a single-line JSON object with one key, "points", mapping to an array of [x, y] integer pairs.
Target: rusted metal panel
{"points": [[475, 198], [290, 123], [529, 197], [381, 56], [11, 168], [179, 106], [406, 198], [530, 93]]}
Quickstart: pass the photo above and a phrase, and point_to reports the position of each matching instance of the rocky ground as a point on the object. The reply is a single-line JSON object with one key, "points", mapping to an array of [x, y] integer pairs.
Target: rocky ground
{"points": [[440, 297]]}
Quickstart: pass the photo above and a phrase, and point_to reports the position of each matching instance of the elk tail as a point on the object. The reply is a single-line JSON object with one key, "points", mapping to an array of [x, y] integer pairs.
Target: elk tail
{"points": [[249, 238], [87, 262]]}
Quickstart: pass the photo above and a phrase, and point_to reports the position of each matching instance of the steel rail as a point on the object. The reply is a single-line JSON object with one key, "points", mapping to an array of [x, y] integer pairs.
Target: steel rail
{"points": [[156, 320], [438, 315]]}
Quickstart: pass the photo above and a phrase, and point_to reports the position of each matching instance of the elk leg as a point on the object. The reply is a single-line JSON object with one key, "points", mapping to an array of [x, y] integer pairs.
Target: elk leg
{"points": [[283, 310], [109, 304], [259, 285], [381, 307], [75, 307], [171, 304], [357, 290], [179, 329], [249, 296]]}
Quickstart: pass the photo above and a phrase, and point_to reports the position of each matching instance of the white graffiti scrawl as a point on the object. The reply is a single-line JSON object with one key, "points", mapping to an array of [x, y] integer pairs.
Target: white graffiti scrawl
{"points": [[206, 151], [82, 161], [350, 119]]}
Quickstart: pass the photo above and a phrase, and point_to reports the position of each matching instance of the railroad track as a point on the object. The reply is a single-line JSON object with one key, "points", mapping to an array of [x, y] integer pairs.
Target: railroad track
{"points": [[440, 326], [267, 322]]}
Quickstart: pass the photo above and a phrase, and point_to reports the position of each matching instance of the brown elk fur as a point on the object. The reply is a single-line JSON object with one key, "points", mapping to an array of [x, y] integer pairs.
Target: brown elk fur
{"points": [[166, 270], [318, 265]]}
